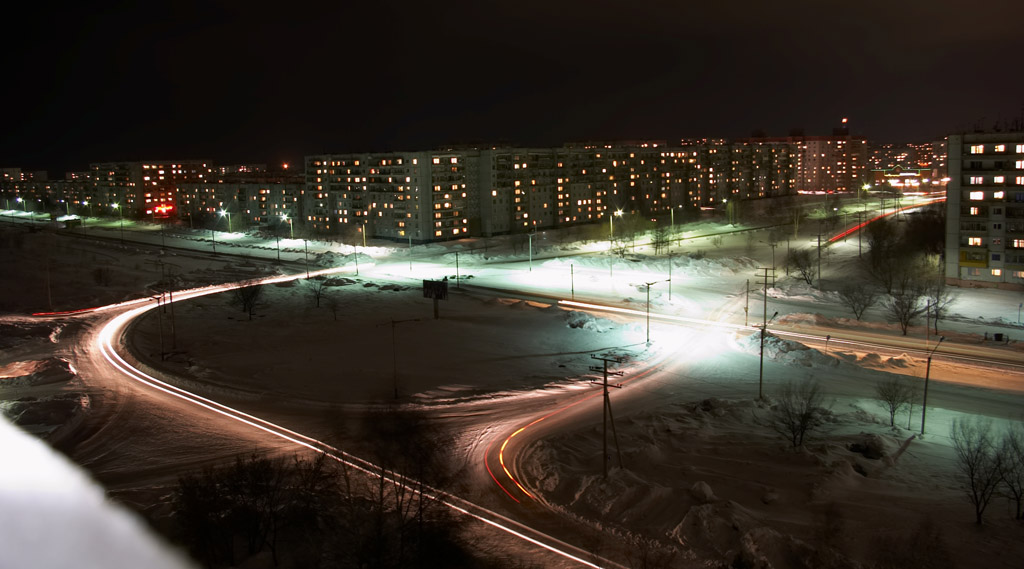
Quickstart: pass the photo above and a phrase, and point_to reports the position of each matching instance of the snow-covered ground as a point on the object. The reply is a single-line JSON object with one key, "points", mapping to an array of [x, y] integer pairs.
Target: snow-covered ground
{"points": [[702, 472]]}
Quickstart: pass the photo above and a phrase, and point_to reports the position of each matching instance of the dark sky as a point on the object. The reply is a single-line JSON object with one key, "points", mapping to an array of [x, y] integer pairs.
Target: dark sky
{"points": [[256, 82]]}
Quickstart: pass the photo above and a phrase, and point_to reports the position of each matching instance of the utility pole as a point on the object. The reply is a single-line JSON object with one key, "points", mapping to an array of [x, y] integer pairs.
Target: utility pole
{"points": [[160, 323], [174, 337], [764, 328], [305, 245], [458, 280], [606, 414], [572, 282], [746, 309], [819, 257], [394, 350]]}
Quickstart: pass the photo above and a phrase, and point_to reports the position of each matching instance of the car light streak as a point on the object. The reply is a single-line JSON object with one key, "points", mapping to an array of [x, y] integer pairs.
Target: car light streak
{"points": [[861, 225], [115, 329], [508, 439]]}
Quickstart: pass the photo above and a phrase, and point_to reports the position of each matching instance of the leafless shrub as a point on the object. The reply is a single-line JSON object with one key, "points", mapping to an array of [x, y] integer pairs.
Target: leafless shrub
{"points": [[895, 394], [797, 410], [978, 461], [858, 299], [1012, 466]]}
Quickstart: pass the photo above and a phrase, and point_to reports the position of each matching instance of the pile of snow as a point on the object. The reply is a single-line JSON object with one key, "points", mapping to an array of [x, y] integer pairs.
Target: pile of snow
{"points": [[587, 321], [784, 351], [15, 331], [36, 372]]}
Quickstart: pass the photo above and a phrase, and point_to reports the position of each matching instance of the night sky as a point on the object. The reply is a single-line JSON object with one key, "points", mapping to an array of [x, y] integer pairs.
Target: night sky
{"points": [[244, 82]]}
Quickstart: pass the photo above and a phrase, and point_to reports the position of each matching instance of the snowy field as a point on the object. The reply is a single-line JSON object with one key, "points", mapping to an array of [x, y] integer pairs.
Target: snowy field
{"points": [[703, 473]]}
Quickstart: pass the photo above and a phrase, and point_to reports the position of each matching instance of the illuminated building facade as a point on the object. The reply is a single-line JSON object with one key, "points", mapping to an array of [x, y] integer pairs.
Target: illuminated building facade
{"points": [[985, 210], [253, 198], [145, 189]]}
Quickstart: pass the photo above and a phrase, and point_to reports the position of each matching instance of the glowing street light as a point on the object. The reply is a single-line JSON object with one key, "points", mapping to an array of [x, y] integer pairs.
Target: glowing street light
{"points": [[611, 225], [228, 214], [927, 372], [291, 226], [120, 213]]}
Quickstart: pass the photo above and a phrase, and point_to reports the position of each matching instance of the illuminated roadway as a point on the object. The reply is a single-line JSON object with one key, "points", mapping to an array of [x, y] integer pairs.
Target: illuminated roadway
{"points": [[109, 344]]}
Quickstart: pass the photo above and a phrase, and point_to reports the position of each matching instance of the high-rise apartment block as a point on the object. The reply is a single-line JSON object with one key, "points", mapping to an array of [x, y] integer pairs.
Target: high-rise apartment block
{"points": [[985, 210]]}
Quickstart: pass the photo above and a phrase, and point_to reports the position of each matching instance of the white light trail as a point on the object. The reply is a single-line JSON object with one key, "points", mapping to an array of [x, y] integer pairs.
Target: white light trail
{"points": [[114, 330]]}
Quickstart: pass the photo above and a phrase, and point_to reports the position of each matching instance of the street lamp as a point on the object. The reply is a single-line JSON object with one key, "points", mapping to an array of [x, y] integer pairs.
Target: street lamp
{"points": [[120, 213], [228, 214], [649, 308], [927, 373], [291, 226], [611, 224]]}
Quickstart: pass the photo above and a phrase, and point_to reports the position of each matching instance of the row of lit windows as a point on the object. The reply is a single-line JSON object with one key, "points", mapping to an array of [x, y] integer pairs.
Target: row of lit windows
{"points": [[980, 148]]}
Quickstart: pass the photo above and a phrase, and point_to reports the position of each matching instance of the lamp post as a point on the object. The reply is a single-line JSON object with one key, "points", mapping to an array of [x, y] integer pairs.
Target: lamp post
{"points": [[291, 226], [86, 204], [120, 214], [927, 373], [223, 213], [611, 224], [649, 308]]}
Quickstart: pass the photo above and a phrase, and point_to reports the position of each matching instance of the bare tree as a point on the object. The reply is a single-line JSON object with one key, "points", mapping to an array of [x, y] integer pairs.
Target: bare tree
{"points": [[660, 239], [895, 394], [716, 241], [858, 298], [939, 298], [798, 410], [248, 297], [904, 303], [978, 461], [1012, 471], [317, 287], [801, 261]]}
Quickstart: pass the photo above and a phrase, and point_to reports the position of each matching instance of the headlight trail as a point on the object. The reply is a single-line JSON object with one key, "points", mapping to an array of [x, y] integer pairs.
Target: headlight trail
{"points": [[114, 330]]}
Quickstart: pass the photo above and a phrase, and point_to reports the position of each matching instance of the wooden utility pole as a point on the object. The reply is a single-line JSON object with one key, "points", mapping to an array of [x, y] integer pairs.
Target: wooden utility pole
{"points": [[607, 411]]}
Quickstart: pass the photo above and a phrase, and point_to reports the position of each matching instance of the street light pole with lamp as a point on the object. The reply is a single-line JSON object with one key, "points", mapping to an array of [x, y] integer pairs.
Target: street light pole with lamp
{"points": [[120, 213], [649, 285], [927, 373]]}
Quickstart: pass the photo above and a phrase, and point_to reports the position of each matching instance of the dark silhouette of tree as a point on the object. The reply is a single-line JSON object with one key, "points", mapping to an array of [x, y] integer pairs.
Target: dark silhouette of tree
{"points": [[1012, 466], [895, 394], [858, 298], [978, 461], [248, 297], [803, 262], [317, 287], [797, 410]]}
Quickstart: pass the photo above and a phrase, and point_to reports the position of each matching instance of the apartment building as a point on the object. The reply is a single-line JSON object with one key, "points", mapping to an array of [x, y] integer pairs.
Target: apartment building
{"points": [[145, 189], [242, 199], [985, 210]]}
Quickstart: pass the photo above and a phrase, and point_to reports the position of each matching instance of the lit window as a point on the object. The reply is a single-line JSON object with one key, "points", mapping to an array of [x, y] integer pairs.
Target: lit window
{"points": [[1020, 165], [998, 195], [1018, 274], [977, 180], [1018, 243], [975, 211], [977, 148], [1020, 180], [976, 196], [974, 241], [1000, 148], [997, 272], [437, 160]]}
